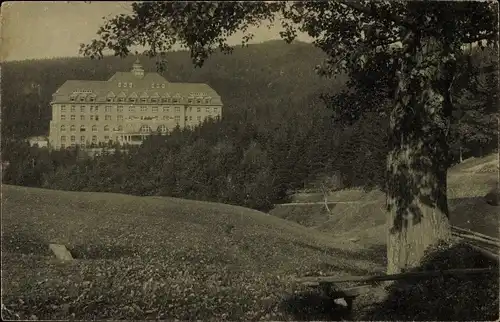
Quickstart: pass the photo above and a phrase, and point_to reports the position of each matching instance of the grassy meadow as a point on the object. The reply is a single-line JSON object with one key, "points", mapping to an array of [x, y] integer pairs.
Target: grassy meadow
{"points": [[168, 258]]}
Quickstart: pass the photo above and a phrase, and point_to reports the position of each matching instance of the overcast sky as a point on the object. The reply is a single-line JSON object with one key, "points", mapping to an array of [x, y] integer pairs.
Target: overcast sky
{"points": [[45, 29]]}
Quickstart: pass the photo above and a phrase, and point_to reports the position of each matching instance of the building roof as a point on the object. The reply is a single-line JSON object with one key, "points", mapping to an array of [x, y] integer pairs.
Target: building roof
{"points": [[142, 86]]}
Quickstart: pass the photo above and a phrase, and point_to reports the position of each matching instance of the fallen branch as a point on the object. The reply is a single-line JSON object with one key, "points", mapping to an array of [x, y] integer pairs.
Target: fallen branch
{"points": [[394, 277], [471, 232], [475, 238]]}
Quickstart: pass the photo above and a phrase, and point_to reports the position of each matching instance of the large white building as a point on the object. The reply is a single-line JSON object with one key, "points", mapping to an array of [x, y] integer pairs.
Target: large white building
{"points": [[126, 108]]}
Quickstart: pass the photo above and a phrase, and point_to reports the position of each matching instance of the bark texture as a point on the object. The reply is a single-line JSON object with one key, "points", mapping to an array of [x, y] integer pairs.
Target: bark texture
{"points": [[418, 161]]}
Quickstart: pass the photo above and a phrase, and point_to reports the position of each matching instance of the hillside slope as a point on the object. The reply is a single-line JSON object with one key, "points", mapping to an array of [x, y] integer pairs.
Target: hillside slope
{"points": [[468, 183], [156, 257]]}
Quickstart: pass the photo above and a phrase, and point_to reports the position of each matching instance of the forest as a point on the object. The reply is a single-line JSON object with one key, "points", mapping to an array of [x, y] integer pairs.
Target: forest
{"points": [[278, 133]]}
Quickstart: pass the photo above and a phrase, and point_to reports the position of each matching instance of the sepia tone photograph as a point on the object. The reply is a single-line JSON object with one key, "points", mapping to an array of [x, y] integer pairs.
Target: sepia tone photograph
{"points": [[250, 160]]}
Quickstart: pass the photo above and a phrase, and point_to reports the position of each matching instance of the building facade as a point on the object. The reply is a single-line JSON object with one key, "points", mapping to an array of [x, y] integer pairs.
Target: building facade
{"points": [[127, 108]]}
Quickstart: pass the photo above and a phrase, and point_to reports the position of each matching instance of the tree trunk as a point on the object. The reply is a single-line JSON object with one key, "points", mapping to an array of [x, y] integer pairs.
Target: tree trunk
{"points": [[417, 163], [461, 156]]}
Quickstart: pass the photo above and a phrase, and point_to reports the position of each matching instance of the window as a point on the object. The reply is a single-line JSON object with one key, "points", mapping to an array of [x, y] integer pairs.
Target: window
{"points": [[63, 117], [154, 100], [107, 109], [73, 108], [97, 117], [82, 128], [165, 117], [177, 119], [106, 138], [91, 117], [63, 128], [120, 128], [96, 108], [131, 109], [92, 99], [124, 84], [119, 84], [185, 118], [106, 128], [190, 118], [155, 109], [143, 100], [130, 85], [63, 146], [73, 117], [198, 118], [145, 129], [164, 100], [198, 109], [82, 138], [175, 100], [82, 99], [82, 117], [207, 101], [63, 138], [144, 108], [177, 109], [162, 129], [190, 109], [63, 108], [72, 98], [109, 99], [190, 100], [119, 117], [91, 108], [107, 117], [120, 109], [152, 85], [94, 128], [73, 138], [216, 109], [82, 109], [72, 128], [131, 99], [208, 109], [162, 85], [166, 109], [198, 101], [94, 138], [157, 85]]}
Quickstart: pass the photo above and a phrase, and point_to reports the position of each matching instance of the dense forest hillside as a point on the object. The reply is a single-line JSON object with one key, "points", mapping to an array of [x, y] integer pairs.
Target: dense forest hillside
{"points": [[259, 79]]}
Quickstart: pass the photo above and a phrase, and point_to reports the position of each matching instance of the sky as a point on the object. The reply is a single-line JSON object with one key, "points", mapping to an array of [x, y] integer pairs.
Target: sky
{"points": [[47, 29]]}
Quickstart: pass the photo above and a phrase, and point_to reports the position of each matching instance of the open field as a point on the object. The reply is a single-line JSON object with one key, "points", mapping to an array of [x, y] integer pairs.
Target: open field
{"points": [[156, 257]]}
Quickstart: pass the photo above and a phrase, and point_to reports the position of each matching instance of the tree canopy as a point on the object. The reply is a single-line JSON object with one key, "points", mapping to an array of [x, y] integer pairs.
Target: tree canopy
{"points": [[416, 43]]}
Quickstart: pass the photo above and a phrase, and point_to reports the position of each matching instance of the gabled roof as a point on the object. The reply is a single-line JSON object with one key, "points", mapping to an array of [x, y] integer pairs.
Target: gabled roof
{"points": [[140, 86]]}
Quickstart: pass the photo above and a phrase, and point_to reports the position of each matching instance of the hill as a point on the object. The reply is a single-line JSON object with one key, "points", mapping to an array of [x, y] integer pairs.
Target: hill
{"points": [[363, 216], [256, 79], [157, 257]]}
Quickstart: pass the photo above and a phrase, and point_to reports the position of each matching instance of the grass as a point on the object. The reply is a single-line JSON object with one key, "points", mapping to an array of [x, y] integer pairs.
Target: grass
{"points": [[157, 258], [468, 183]]}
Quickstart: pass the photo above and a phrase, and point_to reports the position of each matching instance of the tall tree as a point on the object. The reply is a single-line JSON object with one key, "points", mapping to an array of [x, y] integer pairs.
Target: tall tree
{"points": [[421, 40]]}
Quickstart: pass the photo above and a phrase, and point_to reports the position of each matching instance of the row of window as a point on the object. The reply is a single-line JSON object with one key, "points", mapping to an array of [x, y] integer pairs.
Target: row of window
{"points": [[154, 109], [83, 128], [120, 117], [83, 138], [206, 100]]}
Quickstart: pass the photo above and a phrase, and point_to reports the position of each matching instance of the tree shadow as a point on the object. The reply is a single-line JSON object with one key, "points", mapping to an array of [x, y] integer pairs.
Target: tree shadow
{"points": [[313, 306], [444, 298]]}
